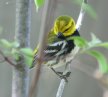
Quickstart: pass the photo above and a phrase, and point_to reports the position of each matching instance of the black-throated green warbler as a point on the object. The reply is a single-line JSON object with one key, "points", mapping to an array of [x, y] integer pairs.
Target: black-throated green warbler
{"points": [[58, 46]]}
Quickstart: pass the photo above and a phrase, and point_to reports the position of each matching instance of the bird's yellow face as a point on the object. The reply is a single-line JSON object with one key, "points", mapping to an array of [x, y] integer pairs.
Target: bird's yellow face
{"points": [[64, 25]]}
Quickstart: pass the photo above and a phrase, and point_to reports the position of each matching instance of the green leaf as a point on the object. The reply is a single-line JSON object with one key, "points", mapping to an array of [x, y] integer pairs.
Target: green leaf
{"points": [[103, 65], [105, 44], [38, 3], [90, 11], [94, 41], [28, 60], [15, 44], [28, 55], [5, 43], [27, 51], [88, 8], [15, 54], [79, 41]]}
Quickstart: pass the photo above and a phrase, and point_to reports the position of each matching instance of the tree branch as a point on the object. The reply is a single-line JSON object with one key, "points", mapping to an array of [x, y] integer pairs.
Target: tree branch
{"points": [[20, 82], [61, 88], [7, 60]]}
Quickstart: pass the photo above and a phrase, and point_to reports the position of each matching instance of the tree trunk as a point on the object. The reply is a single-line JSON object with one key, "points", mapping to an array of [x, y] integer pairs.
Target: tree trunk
{"points": [[20, 82]]}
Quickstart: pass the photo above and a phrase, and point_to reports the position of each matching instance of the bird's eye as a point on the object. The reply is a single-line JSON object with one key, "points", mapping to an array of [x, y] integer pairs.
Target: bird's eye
{"points": [[67, 29]]}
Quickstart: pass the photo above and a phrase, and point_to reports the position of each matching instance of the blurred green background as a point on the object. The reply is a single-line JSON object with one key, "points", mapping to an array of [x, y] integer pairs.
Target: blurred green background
{"points": [[80, 84]]}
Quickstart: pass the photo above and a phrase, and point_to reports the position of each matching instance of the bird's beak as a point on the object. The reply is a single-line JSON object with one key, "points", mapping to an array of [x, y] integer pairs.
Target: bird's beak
{"points": [[60, 35]]}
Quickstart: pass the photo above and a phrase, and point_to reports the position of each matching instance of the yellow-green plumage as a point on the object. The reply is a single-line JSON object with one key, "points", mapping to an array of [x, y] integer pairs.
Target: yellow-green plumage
{"points": [[57, 43], [63, 23]]}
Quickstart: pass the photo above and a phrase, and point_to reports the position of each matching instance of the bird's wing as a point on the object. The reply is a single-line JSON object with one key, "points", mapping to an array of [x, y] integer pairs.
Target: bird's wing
{"points": [[52, 52], [55, 49]]}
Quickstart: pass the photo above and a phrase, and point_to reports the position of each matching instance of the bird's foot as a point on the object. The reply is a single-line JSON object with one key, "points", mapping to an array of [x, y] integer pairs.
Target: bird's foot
{"points": [[62, 75]]}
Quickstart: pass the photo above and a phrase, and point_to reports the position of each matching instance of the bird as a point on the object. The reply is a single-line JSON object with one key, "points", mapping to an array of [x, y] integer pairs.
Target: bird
{"points": [[60, 47]]}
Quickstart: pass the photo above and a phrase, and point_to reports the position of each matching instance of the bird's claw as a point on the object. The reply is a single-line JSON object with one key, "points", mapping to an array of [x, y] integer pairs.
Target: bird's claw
{"points": [[63, 76]]}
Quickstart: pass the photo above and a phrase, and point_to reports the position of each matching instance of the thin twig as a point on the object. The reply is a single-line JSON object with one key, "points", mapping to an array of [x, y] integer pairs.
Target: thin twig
{"points": [[61, 88], [78, 25], [81, 15], [7, 59]]}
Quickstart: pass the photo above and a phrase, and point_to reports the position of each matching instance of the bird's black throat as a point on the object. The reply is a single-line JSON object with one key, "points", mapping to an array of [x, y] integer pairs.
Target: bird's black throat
{"points": [[70, 43]]}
